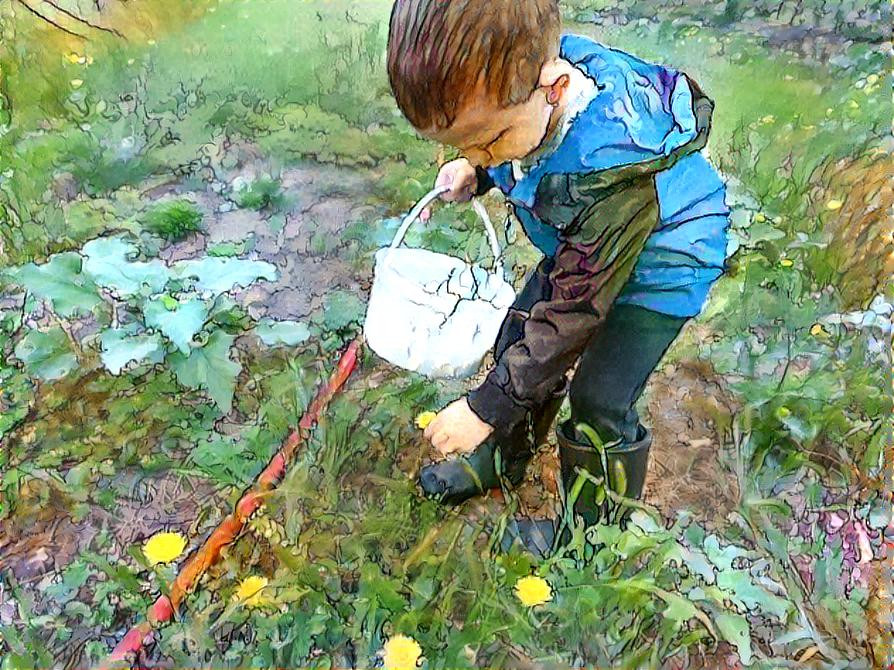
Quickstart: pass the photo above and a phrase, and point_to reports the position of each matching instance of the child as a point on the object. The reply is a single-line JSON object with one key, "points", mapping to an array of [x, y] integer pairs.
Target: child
{"points": [[598, 155]]}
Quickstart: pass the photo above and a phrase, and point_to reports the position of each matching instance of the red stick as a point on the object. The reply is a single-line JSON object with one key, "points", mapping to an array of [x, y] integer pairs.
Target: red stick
{"points": [[163, 609]]}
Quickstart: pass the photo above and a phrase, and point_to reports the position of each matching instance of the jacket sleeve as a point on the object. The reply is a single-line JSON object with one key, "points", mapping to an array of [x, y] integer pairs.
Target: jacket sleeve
{"points": [[588, 275], [615, 212], [485, 181]]}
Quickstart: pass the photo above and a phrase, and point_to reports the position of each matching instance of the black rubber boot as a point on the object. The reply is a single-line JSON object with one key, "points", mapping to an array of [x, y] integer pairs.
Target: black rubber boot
{"points": [[627, 463], [455, 480]]}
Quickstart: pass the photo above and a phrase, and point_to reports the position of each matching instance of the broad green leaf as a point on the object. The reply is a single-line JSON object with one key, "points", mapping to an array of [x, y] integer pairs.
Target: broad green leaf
{"points": [[219, 275], [74, 577], [735, 629], [227, 460], [740, 585], [696, 562], [632, 544], [46, 354], [177, 321], [109, 265], [342, 308], [210, 368], [722, 557], [678, 608], [793, 636], [60, 281], [645, 522], [759, 232], [385, 590], [120, 347], [289, 333]]}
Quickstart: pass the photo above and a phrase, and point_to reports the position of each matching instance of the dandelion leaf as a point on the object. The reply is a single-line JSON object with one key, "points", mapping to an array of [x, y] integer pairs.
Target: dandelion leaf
{"points": [[735, 629], [46, 354], [61, 282], [210, 368], [216, 275], [120, 346], [276, 333], [108, 262], [177, 321]]}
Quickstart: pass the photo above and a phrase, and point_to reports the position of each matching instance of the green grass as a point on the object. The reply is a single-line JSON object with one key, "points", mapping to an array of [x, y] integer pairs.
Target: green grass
{"points": [[352, 553], [259, 194], [307, 93], [173, 220]]}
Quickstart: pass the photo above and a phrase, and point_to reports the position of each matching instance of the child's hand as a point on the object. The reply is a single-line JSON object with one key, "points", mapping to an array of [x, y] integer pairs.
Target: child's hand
{"points": [[457, 428], [460, 175]]}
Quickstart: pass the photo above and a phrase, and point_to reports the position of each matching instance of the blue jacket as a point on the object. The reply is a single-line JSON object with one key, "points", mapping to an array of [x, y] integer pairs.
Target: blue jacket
{"points": [[640, 113]]}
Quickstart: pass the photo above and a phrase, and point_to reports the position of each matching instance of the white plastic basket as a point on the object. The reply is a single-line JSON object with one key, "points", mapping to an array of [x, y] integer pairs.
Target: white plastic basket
{"points": [[433, 313]]}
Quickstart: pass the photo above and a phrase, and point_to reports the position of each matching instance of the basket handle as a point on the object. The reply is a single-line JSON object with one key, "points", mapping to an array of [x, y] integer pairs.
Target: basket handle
{"points": [[434, 194]]}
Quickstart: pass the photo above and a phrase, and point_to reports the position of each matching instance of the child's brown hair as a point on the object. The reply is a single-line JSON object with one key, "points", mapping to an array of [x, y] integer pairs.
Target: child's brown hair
{"points": [[439, 51]]}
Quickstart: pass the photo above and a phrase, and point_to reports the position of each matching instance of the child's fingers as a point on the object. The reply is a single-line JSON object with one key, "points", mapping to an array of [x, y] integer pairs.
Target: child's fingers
{"points": [[459, 193], [445, 178], [440, 441], [436, 436], [445, 447], [465, 194]]}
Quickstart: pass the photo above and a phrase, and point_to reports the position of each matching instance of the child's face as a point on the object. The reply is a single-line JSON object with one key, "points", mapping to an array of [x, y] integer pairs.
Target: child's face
{"points": [[489, 134]]}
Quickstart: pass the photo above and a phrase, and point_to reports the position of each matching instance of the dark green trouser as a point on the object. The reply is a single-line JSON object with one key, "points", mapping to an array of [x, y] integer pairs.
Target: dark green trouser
{"points": [[615, 365], [611, 374], [613, 369]]}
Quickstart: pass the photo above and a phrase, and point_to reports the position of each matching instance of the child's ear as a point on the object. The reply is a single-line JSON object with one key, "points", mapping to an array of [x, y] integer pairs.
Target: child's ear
{"points": [[554, 78], [557, 89]]}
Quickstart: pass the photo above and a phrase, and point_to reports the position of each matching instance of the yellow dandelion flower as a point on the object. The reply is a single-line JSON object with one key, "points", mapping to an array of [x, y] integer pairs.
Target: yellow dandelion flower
{"points": [[77, 83], [72, 57], [131, 61], [401, 653], [871, 79], [164, 547], [760, 218], [786, 262], [424, 419], [817, 330], [769, 118], [151, 42], [834, 204], [249, 591], [533, 590]]}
